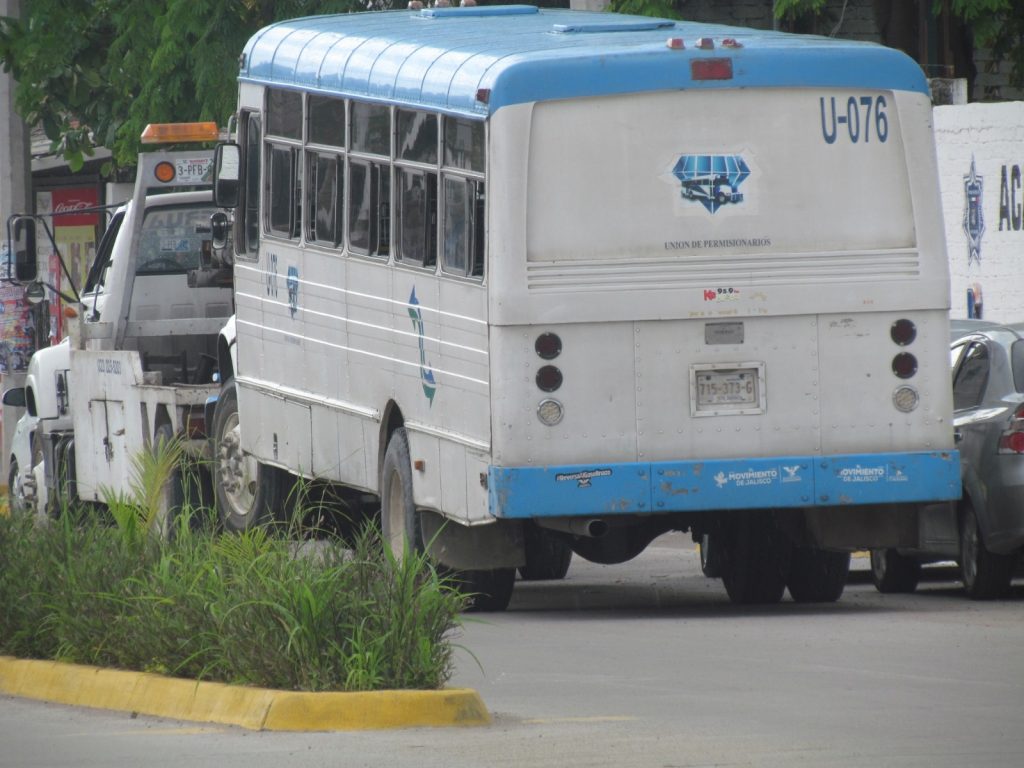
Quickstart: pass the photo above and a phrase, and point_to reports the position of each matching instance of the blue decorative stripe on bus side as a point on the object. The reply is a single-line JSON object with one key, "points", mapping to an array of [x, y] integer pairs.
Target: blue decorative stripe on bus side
{"points": [[690, 486]]}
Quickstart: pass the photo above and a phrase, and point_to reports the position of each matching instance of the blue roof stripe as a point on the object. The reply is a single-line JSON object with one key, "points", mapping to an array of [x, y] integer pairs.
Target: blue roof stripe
{"points": [[440, 58]]}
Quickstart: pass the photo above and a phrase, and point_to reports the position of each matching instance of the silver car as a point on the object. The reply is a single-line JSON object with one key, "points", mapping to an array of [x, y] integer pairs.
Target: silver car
{"points": [[986, 536]]}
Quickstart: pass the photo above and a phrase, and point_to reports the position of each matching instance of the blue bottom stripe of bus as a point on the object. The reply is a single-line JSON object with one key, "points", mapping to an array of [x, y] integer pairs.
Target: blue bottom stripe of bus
{"points": [[682, 486]]}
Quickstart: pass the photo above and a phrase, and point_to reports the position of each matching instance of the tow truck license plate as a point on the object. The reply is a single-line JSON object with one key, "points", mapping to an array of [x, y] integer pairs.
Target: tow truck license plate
{"points": [[192, 170]]}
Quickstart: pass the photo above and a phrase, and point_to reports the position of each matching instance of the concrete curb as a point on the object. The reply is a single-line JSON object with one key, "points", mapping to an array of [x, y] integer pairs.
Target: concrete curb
{"points": [[252, 708]]}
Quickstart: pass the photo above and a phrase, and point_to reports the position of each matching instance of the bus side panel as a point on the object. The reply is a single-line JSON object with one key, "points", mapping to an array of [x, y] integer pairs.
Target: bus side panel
{"points": [[441, 383]]}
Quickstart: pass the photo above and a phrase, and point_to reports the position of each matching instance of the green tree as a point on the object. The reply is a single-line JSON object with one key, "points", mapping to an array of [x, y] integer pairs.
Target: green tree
{"points": [[997, 25], [95, 72]]}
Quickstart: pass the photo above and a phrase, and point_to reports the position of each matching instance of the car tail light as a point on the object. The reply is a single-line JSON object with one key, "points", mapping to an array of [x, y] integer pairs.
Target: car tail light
{"points": [[1012, 440]]}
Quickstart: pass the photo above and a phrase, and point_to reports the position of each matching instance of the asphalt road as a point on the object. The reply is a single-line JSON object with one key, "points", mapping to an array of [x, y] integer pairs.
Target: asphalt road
{"points": [[648, 664]]}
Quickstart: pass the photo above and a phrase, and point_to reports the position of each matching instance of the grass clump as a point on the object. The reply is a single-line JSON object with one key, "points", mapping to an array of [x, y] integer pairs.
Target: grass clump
{"points": [[254, 608]]}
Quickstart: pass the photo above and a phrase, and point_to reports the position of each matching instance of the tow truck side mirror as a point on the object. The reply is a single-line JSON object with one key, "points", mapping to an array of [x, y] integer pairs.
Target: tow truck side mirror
{"points": [[226, 175], [15, 397], [220, 228], [21, 241]]}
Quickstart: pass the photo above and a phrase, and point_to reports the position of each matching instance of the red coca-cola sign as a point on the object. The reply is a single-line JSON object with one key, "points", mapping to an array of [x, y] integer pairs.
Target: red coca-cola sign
{"points": [[70, 203]]}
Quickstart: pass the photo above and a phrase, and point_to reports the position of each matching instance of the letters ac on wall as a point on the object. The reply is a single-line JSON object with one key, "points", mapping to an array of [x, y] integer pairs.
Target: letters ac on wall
{"points": [[1011, 201]]}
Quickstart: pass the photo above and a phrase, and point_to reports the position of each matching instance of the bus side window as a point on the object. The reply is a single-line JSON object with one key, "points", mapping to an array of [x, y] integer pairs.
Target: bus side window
{"points": [[284, 171], [251, 201], [281, 185], [369, 219], [464, 197], [326, 198], [417, 210], [463, 227]]}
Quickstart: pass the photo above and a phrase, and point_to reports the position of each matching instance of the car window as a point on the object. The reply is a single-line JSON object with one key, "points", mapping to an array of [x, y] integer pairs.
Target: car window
{"points": [[971, 377], [954, 356], [1017, 361]]}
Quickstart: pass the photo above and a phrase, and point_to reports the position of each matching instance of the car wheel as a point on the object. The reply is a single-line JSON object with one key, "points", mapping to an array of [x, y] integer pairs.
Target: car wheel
{"points": [[402, 532], [892, 572], [817, 576], [985, 574]]}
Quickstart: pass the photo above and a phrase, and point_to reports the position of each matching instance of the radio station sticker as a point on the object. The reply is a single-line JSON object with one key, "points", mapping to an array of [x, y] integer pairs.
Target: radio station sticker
{"points": [[582, 478]]}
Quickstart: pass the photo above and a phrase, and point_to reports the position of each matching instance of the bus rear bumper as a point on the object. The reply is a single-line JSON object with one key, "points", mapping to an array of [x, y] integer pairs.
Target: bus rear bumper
{"points": [[691, 486]]}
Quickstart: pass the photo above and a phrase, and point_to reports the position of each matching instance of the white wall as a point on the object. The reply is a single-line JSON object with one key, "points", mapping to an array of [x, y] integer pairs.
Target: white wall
{"points": [[992, 136]]}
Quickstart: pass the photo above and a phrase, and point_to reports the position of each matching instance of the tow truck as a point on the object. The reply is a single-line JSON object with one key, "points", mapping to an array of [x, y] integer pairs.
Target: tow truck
{"points": [[138, 365]]}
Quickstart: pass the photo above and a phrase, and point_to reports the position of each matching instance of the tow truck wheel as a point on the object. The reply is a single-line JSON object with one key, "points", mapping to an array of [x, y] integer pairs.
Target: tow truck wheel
{"points": [[172, 495], [401, 529], [247, 493]]}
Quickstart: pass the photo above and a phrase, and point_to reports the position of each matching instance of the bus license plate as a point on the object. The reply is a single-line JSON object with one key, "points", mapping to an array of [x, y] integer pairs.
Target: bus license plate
{"points": [[730, 390]]}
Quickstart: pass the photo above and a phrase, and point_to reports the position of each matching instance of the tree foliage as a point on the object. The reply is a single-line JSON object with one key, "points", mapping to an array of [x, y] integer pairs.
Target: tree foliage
{"points": [[997, 25], [95, 72]]}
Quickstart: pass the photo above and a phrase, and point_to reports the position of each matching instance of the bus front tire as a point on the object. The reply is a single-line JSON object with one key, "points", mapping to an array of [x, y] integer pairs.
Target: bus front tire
{"points": [[401, 530], [247, 492]]}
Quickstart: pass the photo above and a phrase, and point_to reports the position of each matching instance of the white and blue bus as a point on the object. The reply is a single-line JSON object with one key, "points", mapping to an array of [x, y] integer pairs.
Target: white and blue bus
{"points": [[550, 282]]}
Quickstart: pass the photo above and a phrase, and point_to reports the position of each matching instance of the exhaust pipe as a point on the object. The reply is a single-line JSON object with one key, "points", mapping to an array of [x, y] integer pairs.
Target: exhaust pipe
{"points": [[591, 528]]}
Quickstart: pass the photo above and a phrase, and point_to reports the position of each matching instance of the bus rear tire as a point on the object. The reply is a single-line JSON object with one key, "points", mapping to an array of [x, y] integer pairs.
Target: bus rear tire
{"points": [[817, 576], [402, 532], [755, 559], [247, 492], [547, 555]]}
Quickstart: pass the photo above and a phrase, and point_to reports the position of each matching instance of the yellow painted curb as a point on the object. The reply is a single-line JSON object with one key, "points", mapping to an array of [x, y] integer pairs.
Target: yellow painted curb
{"points": [[253, 708]]}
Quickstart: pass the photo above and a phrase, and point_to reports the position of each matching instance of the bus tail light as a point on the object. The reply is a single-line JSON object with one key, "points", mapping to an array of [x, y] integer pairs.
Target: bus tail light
{"points": [[1012, 440], [549, 378], [903, 332], [905, 399], [904, 365], [711, 69], [548, 346], [550, 412]]}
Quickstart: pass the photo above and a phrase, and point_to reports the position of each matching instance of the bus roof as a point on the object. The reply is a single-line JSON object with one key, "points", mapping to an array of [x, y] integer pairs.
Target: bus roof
{"points": [[475, 60]]}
